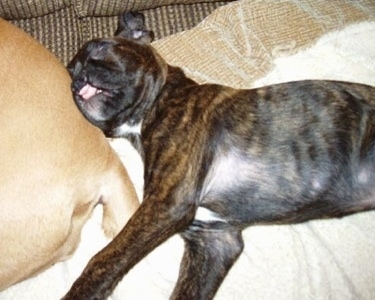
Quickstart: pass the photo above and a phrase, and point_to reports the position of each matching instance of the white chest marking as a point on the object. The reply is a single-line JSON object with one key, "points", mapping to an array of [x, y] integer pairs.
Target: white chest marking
{"points": [[205, 215], [126, 129]]}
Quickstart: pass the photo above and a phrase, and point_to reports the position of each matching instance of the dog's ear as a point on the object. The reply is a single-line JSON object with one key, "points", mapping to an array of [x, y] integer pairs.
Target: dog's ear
{"points": [[132, 26]]}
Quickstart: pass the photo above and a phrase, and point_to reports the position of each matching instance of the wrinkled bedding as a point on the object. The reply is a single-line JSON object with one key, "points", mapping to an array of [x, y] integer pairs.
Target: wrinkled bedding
{"points": [[249, 44]]}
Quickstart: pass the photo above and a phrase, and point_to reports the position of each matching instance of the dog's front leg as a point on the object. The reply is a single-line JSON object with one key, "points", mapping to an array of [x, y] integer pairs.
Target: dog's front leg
{"points": [[209, 254], [153, 223]]}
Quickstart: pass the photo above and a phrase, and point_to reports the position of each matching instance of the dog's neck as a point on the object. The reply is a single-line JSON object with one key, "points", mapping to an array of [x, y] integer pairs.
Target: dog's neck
{"points": [[176, 79]]}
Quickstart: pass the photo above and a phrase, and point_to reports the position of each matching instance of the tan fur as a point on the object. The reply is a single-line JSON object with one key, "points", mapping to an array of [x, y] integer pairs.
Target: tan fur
{"points": [[54, 165]]}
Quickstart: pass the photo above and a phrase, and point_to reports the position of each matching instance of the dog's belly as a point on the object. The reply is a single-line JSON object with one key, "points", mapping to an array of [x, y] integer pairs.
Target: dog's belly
{"points": [[243, 190], [285, 160]]}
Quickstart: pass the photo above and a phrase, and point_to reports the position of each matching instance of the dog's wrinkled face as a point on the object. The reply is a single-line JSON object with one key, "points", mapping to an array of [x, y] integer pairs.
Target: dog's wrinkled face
{"points": [[116, 80]]}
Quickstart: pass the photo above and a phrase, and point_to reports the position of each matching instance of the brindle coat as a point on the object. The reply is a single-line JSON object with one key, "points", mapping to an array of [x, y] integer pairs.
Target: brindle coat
{"points": [[219, 159]]}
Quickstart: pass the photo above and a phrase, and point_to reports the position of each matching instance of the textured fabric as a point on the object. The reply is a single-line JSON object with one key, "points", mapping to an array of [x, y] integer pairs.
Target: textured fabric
{"points": [[18, 9], [114, 7], [63, 33], [59, 31], [263, 30], [164, 20]]}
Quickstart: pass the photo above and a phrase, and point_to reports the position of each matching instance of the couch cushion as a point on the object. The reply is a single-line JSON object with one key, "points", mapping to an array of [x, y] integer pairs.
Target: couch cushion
{"points": [[111, 8], [19, 9], [59, 31], [63, 33]]}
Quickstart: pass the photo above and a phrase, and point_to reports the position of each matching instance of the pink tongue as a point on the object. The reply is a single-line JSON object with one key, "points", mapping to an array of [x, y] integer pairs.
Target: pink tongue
{"points": [[88, 91]]}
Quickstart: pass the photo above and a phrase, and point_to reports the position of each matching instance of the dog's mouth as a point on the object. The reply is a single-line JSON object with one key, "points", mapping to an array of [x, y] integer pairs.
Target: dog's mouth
{"points": [[89, 91]]}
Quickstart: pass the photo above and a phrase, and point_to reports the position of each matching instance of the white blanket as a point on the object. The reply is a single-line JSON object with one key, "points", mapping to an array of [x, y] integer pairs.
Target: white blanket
{"points": [[330, 259]]}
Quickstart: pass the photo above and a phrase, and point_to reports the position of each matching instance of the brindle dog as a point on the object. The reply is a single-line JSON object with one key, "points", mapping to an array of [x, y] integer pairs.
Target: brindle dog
{"points": [[218, 159]]}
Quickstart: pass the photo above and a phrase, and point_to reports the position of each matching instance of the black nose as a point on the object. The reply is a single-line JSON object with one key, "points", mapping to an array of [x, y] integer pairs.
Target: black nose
{"points": [[78, 84]]}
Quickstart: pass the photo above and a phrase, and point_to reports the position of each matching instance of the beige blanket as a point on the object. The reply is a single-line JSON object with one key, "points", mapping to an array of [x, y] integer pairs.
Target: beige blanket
{"points": [[246, 44]]}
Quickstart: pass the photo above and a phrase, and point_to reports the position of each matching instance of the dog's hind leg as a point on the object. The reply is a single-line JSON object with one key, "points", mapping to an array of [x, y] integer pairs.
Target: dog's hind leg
{"points": [[209, 254]]}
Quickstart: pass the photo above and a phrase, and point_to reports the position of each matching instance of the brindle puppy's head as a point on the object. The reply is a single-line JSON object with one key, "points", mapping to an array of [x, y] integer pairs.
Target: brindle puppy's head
{"points": [[116, 80]]}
